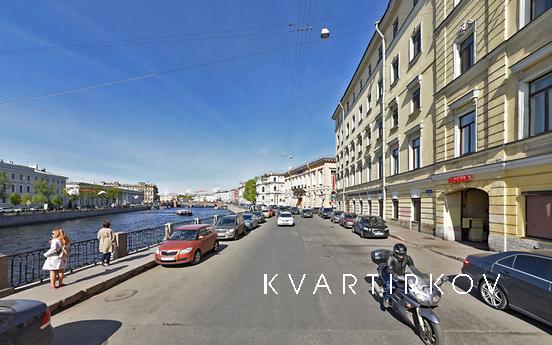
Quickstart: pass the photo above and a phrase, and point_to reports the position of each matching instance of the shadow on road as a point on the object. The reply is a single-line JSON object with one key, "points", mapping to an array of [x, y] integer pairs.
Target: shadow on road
{"points": [[204, 258], [106, 272], [88, 332]]}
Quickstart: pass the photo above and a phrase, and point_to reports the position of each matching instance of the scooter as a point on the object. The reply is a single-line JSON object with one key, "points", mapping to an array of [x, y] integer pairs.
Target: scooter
{"points": [[413, 299]]}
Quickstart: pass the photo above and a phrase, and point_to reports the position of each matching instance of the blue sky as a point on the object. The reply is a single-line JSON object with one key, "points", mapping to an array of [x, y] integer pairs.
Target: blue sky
{"points": [[246, 88]]}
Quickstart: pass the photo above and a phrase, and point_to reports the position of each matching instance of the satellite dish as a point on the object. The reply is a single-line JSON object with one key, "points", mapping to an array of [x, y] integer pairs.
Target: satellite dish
{"points": [[325, 33]]}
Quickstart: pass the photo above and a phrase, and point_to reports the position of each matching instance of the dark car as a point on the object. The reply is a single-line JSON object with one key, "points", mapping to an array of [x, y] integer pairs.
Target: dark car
{"points": [[295, 211], [230, 227], [306, 213], [347, 219], [336, 216], [25, 322], [326, 213], [251, 221], [370, 227], [260, 216], [315, 210], [524, 285]]}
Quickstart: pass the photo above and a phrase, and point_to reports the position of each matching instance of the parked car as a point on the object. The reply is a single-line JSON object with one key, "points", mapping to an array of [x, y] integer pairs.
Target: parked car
{"points": [[230, 227], [306, 213], [371, 227], [286, 218], [524, 285], [25, 322], [347, 220], [326, 213], [315, 210], [260, 216], [251, 221], [187, 244], [295, 211], [266, 213], [336, 216]]}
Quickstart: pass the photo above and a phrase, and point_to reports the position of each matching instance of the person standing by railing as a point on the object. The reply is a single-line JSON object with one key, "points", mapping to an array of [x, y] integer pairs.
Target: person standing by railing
{"points": [[106, 242], [56, 257]]}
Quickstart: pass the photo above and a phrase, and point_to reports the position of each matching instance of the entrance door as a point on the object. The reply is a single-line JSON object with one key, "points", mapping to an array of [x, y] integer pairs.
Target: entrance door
{"points": [[539, 216], [380, 202]]}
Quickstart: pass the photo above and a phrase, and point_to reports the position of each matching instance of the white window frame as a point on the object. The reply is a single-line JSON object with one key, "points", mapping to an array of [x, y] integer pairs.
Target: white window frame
{"points": [[411, 151], [391, 158], [467, 28], [460, 108], [392, 68], [411, 55]]}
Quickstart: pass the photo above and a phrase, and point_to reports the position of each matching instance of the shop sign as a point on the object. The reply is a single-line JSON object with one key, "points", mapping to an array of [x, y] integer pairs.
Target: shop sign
{"points": [[460, 179]]}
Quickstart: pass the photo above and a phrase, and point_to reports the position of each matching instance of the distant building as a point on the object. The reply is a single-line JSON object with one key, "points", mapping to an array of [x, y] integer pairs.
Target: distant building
{"points": [[151, 193], [21, 178], [90, 195], [168, 197], [270, 189], [311, 184]]}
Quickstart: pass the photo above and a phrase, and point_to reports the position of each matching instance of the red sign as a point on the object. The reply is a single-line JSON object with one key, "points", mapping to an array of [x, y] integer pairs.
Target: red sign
{"points": [[460, 179], [333, 183]]}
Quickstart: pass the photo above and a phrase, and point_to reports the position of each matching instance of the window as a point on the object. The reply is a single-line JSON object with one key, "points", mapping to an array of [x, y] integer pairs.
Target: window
{"points": [[533, 265], [380, 167], [415, 43], [20, 188], [380, 88], [417, 208], [361, 83], [369, 71], [360, 111], [415, 99], [347, 133], [354, 122], [395, 116], [369, 105], [540, 105], [508, 262], [380, 53], [395, 209], [354, 96], [348, 107], [28, 178], [395, 160], [263, 189], [395, 27], [538, 208], [395, 70], [274, 188], [415, 153], [467, 54], [368, 134], [13, 188], [467, 133], [28, 189], [538, 7], [13, 176], [21, 177], [380, 204], [380, 129]]}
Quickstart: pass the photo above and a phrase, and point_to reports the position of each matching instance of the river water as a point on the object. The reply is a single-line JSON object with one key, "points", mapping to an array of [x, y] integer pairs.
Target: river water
{"points": [[30, 237]]}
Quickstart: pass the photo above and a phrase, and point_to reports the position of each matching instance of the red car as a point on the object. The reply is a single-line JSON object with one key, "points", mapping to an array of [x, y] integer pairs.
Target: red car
{"points": [[187, 244]]}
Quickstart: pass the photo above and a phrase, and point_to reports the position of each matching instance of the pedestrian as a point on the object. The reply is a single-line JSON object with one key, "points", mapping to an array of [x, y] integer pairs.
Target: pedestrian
{"points": [[107, 242], [56, 257]]}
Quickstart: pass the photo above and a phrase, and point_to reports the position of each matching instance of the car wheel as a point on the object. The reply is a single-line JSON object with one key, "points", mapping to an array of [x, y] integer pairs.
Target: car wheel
{"points": [[197, 257], [495, 298], [216, 246]]}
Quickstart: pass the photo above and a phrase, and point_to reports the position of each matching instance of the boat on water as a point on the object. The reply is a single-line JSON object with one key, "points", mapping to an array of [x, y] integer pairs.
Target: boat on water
{"points": [[184, 212]]}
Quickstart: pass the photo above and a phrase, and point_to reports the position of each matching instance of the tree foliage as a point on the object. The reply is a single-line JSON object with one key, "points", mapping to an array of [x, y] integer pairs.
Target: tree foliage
{"points": [[15, 199], [26, 197], [57, 200], [39, 199], [250, 190], [3, 185], [45, 190]]}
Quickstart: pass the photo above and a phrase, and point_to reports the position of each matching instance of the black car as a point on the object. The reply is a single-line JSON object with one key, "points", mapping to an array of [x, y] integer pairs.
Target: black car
{"points": [[326, 212], [524, 285], [371, 227], [315, 210], [25, 322], [306, 213], [295, 211]]}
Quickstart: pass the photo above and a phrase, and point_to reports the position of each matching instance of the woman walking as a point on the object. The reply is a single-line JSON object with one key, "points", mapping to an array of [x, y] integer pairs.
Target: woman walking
{"points": [[56, 257], [107, 242]]}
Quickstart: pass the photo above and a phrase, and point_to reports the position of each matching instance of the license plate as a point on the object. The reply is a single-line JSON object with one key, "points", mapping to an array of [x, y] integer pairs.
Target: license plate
{"points": [[167, 258]]}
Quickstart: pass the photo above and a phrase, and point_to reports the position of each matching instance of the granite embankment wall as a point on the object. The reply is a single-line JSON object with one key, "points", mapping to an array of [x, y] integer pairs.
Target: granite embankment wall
{"points": [[6, 221]]}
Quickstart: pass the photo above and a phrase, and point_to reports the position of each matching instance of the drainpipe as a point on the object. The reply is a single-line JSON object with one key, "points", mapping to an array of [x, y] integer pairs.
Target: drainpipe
{"points": [[343, 138], [382, 105]]}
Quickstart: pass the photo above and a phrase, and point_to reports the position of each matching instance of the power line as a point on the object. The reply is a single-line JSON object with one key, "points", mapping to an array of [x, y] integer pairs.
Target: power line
{"points": [[159, 73]]}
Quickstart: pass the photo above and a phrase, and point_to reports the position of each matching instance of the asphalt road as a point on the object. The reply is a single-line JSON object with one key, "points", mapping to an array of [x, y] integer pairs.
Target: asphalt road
{"points": [[222, 300]]}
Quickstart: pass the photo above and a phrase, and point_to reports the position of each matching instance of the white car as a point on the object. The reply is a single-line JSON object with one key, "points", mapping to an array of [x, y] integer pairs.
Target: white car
{"points": [[285, 218]]}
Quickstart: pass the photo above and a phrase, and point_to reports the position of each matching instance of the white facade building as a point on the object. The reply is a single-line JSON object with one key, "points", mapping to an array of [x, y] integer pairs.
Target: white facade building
{"points": [[271, 190], [311, 184]]}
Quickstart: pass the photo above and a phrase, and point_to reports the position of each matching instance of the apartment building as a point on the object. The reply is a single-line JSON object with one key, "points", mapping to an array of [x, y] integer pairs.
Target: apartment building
{"points": [[150, 190], [311, 184], [270, 189], [446, 125]]}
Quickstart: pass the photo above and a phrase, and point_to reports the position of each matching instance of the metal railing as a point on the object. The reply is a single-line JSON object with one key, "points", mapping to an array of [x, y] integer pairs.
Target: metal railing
{"points": [[26, 267]]}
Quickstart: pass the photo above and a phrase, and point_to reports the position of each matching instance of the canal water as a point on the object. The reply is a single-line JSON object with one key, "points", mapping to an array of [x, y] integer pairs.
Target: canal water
{"points": [[30, 237]]}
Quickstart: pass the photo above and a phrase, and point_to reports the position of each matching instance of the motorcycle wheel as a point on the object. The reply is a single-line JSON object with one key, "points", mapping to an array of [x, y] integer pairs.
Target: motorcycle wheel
{"points": [[431, 334]]}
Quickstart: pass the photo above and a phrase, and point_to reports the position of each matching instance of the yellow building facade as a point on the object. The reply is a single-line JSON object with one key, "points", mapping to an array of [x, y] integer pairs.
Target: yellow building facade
{"points": [[466, 144]]}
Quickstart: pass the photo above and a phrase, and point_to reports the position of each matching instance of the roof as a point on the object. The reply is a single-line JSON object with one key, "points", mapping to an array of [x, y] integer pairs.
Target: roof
{"points": [[192, 227], [305, 166]]}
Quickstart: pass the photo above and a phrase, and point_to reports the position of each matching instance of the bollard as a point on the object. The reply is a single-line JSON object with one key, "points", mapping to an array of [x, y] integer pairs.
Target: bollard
{"points": [[5, 287], [168, 231], [197, 221], [122, 245]]}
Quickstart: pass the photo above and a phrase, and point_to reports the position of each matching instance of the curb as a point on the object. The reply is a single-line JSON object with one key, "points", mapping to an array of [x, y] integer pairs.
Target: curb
{"points": [[454, 257], [81, 295]]}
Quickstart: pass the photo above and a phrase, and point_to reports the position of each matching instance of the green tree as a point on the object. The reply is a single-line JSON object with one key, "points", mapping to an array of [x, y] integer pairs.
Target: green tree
{"points": [[44, 189], [57, 200], [250, 190], [3, 186], [15, 199], [26, 197], [39, 199]]}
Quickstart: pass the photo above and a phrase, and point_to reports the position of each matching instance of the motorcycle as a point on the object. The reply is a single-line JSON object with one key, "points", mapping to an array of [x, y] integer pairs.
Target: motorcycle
{"points": [[413, 299]]}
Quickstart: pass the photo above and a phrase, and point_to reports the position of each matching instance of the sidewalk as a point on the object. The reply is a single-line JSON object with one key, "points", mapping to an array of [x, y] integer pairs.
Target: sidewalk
{"points": [[451, 249], [88, 282]]}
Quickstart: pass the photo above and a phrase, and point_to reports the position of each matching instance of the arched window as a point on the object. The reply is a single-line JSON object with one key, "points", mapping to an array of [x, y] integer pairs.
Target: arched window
{"points": [[263, 190]]}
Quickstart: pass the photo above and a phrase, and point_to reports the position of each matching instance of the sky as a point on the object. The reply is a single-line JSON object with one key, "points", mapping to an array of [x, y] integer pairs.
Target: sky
{"points": [[185, 94]]}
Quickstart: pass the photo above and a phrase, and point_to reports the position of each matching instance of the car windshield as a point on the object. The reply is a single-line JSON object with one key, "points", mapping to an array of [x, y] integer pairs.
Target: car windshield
{"points": [[285, 215], [349, 215], [247, 216], [307, 210], [184, 235], [337, 213], [226, 221], [327, 210], [374, 221]]}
